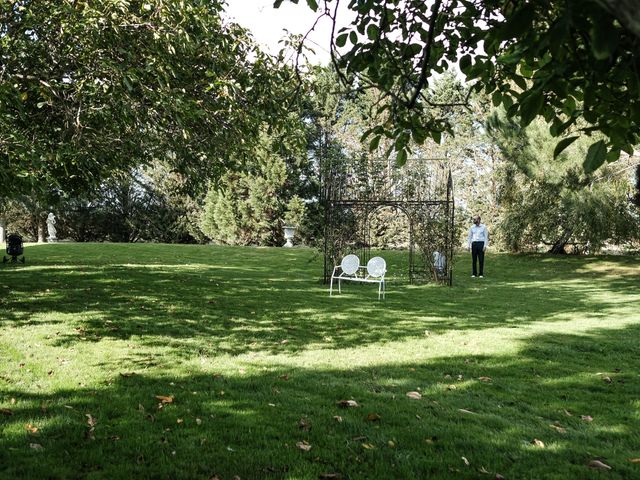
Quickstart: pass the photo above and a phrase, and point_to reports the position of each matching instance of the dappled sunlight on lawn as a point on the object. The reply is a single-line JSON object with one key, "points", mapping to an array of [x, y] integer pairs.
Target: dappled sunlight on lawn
{"points": [[487, 408], [246, 353]]}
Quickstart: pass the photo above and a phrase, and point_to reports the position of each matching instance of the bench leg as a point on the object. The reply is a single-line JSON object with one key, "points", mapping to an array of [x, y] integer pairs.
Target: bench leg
{"points": [[381, 289], [331, 286]]}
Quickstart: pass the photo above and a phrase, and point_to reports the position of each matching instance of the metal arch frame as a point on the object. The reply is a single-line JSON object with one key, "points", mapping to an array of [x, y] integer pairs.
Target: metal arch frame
{"points": [[349, 199]]}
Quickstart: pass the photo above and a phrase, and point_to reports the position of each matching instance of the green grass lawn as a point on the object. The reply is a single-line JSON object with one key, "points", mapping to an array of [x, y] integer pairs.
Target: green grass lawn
{"points": [[530, 373]]}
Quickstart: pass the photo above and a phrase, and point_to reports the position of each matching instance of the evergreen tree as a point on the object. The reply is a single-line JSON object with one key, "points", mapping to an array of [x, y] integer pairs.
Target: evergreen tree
{"points": [[247, 208], [556, 203]]}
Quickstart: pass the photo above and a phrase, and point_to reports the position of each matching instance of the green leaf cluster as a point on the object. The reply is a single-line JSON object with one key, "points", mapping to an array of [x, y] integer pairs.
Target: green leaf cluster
{"points": [[90, 88], [571, 62]]}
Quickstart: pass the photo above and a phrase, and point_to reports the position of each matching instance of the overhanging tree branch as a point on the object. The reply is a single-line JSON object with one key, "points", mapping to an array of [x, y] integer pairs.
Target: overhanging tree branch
{"points": [[426, 57]]}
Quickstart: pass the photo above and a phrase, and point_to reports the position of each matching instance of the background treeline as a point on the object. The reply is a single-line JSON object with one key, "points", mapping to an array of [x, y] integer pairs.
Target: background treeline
{"points": [[164, 121], [502, 171]]}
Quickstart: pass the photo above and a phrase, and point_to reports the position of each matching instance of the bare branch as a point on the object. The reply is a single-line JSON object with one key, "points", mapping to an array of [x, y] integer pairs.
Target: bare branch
{"points": [[333, 52], [426, 57]]}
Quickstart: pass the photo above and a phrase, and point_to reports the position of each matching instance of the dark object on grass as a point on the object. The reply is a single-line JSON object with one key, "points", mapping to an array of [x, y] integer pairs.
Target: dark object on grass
{"points": [[14, 249]]}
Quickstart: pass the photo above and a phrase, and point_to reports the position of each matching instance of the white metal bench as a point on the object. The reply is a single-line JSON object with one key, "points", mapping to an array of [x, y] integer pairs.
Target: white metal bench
{"points": [[351, 270]]}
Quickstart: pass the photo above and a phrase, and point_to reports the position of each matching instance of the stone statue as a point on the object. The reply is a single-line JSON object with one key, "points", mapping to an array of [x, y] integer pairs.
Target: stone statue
{"points": [[51, 221]]}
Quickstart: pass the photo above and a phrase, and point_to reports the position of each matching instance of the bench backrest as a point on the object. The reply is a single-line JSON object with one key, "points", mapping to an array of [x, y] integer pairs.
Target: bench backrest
{"points": [[377, 267], [350, 264]]}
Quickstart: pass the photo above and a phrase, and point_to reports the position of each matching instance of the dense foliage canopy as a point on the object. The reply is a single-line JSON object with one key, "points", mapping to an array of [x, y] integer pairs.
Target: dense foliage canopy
{"points": [[574, 62], [87, 88]]}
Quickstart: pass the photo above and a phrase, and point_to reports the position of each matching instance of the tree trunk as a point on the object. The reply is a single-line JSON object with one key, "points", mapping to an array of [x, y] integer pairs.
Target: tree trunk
{"points": [[559, 245], [636, 197], [3, 230], [40, 231], [558, 248]]}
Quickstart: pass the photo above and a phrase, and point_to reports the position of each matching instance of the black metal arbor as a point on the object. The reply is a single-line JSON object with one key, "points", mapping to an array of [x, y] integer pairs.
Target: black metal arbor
{"points": [[422, 189]]}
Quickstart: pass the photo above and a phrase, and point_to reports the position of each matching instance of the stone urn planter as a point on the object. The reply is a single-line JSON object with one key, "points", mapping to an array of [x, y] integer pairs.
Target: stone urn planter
{"points": [[289, 234]]}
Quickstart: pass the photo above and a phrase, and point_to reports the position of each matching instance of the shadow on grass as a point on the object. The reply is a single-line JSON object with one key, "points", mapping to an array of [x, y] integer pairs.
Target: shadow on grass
{"points": [[248, 424], [231, 300]]}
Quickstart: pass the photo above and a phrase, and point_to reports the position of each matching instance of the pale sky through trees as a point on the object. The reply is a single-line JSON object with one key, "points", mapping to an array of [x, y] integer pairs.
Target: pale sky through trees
{"points": [[268, 24]]}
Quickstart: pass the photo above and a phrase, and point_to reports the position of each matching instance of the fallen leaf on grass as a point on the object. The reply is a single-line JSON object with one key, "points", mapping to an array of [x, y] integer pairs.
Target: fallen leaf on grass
{"points": [[6, 411], [586, 418], [304, 424], [414, 395], [337, 418], [451, 387], [368, 446], [348, 403], [634, 460], [597, 464], [91, 421], [466, 462], [464, 410], [568, 413], [537, 443], [31, 429], [165, 399], [284, 377], [499, 477], [303, 445], [485, 379], [607, 379], [35, 446], [359, 438], [270, 469], [330, 476], [431, 440], [558, 428], [373, 417]]}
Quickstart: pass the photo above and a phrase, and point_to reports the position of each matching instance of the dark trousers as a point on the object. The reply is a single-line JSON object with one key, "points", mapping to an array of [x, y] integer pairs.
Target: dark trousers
{"points": [[477, 254]]}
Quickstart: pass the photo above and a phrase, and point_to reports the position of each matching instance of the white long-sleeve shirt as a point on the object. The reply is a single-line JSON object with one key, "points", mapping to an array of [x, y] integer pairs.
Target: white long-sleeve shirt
{"points": [[478, 233]]}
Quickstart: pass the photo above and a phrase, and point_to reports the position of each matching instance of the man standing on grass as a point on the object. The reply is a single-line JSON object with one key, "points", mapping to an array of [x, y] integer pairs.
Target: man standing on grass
{"points": [[478, 241]]}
